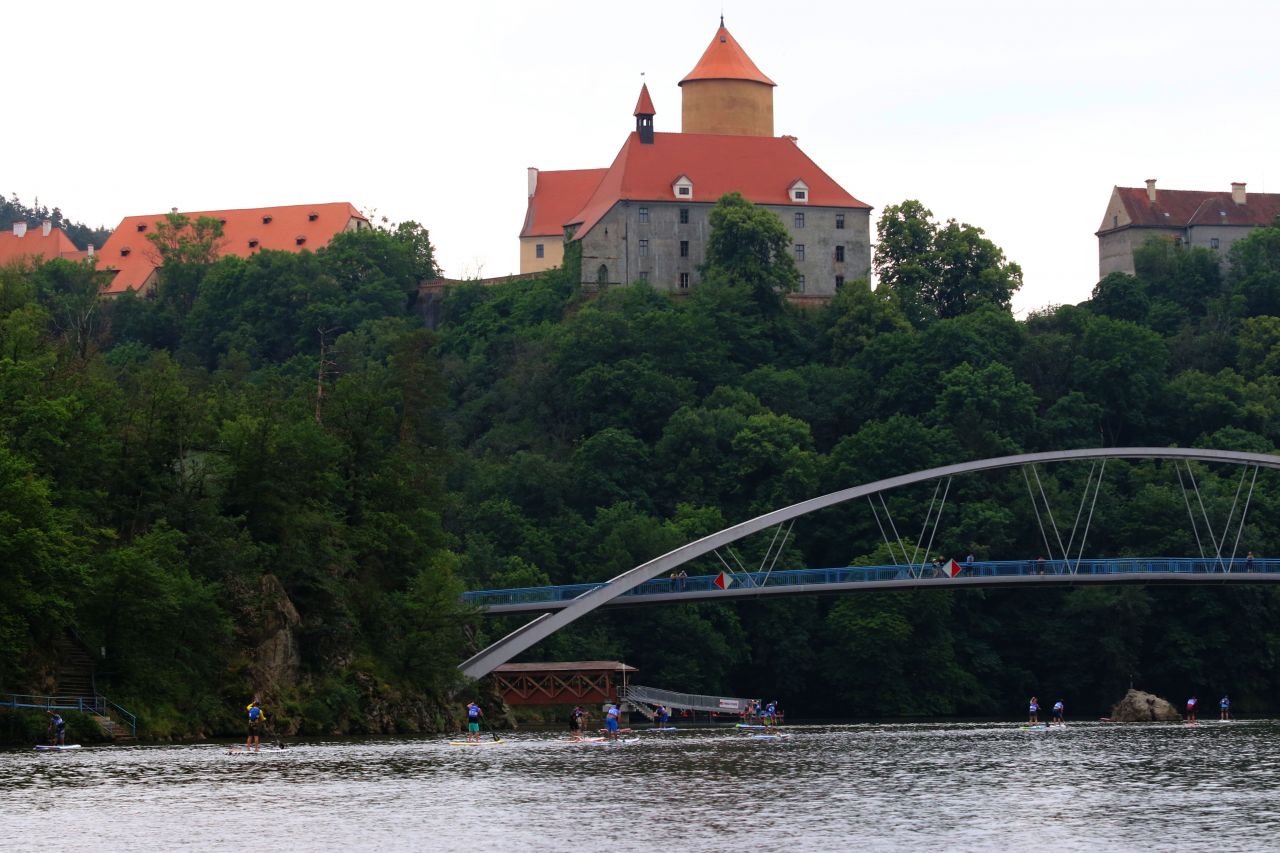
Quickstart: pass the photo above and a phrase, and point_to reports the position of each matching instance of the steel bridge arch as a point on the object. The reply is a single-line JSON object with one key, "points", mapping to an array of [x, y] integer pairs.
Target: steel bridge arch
{"points": [[502, 651]]}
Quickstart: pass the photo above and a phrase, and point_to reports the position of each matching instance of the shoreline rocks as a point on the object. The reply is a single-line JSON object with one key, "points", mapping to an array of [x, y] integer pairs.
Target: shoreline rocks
{"points": [[1140, 707]]}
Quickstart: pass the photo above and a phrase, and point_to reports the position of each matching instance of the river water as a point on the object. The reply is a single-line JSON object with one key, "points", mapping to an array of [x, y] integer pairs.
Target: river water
{"points": [[1092, 786]]}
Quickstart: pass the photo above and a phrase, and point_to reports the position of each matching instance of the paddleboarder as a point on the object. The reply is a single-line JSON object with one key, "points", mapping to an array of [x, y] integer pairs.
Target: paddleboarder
{"points": [[1191, 710], [256, 717], [1057, 713], [58, 729], [662, 715], [473, 722], [611, 721], [1224, 708], [1033, 711], [577, 719]]}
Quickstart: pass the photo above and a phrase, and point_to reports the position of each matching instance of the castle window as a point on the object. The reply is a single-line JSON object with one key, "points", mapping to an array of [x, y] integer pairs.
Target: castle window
{"points": [[644, 275], [799, 191], [644, 248], [684, 281], [644, 216], [839, 282], [682, 187], [1213, 243], [266, 220], [253, 244], [684, 216], [839, 221], [799, 219], [684, 248], [800, 284], [839, 254], [312, 217], [299, 240], [142, 226], [1115, 220], [124, 253], [539, 250], [602, 275], [799, 251], [684, 191]]}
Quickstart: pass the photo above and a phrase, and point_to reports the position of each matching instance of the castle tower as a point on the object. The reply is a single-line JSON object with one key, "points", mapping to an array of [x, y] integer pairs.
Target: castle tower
{"points": [[725, 92], [644, 116]]}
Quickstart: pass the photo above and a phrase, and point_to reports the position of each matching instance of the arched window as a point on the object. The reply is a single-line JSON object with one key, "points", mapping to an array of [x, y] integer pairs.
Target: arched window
{"points": [[602, 275]]}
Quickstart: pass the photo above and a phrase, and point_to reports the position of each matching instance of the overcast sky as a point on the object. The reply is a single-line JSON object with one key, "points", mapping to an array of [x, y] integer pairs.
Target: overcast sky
{"points": [[1016, 117]]}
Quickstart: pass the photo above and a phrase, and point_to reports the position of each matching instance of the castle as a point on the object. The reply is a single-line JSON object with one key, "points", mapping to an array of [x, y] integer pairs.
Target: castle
{"points": [[645, 217]]}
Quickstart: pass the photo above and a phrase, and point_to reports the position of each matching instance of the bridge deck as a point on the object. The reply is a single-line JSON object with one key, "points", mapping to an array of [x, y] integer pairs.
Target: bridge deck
{"points": [[1143, 570]]}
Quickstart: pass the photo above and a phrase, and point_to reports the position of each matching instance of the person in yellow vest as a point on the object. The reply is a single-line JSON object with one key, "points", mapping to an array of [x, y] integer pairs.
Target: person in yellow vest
{"points": [[256, 718]]}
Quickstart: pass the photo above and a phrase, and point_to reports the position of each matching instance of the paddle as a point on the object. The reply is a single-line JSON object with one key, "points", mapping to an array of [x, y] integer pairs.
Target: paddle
{"points": [[491, 732]]}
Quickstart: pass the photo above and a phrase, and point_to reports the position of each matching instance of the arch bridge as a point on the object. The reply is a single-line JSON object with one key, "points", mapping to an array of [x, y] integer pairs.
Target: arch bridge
{"points": [[1218, 562]]}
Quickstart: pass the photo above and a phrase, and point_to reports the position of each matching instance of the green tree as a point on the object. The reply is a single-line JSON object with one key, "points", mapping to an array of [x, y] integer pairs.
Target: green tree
{"points": [[749, 248]]}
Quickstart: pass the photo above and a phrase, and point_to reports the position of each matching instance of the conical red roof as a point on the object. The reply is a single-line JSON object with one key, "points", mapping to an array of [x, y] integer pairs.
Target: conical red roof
{"points": [[726, 60], [644, 106]]}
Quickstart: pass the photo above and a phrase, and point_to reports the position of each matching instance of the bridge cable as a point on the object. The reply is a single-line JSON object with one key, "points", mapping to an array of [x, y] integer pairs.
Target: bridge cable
{"points": [[897, 537], [1084, 496], [741, 565], [883, 535], [1049, 512], [1177, 467], [1226, 530], [936, 520], [1243, 513], [1213, 537], [1096, 489], [916, 552], [1036, 507], [769, 550], [728, 568], [785, 537]]}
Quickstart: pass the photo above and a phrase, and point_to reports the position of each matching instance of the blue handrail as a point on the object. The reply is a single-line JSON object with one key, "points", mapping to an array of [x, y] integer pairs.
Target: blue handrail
{"points": [[85, 704], [858, 574]]}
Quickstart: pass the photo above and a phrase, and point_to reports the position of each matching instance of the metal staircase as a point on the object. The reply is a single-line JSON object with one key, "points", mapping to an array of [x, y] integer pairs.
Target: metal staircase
{"points": [[644, 698]]}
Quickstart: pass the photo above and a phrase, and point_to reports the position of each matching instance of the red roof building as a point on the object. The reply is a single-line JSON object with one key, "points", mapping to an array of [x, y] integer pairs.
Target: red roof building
{"points": [[1211, 220], [132, 259], [645, 218], [44, 243]]}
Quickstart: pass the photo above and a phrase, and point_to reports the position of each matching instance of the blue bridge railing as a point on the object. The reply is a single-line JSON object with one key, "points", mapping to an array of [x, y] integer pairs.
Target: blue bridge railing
{"points": [[99, 705], [704, 585]]}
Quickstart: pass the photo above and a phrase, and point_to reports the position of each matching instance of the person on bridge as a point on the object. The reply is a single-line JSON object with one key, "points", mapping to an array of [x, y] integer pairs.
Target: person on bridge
{"points": [[473, 722], [58, 729], [1033, 711], [1224, 708], [611, 721], [1058, 710], [256, 717], [1191, 710]]}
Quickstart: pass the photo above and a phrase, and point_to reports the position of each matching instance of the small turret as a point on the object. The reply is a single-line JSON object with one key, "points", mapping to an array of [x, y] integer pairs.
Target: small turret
{"points": [[644, 116]]}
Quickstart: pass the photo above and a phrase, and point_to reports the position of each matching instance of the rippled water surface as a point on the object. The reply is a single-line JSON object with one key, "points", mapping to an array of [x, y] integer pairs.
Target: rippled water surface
{"points": [[870, 787]]}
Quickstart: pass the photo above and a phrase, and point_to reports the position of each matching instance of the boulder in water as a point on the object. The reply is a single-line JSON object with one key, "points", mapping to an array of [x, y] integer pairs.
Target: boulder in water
{"points": [[1139, 707]]}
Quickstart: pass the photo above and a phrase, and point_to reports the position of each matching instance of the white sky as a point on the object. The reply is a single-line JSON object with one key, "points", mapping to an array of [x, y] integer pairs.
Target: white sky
{"points": [[1017, 117]]}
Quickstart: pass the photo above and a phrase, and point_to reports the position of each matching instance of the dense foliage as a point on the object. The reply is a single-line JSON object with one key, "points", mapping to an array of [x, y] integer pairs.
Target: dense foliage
{"points": [[276, 445]]}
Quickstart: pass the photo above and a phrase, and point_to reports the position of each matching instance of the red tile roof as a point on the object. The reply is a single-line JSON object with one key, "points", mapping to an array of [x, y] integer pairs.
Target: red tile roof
{"points": [[762, 168], [644, 106], [291, 228], [35, 244], [558, 196], [1183, 208], [725, 59]]}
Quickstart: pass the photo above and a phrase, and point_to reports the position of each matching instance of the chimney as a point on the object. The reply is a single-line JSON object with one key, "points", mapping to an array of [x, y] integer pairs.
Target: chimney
{"points": [[45, 228], [533, 181], [1151, 190], [20, 229], [173, 210], [1237, 192]]}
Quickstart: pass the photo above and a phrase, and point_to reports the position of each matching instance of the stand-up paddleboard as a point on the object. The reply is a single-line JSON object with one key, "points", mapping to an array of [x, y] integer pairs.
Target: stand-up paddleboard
{"points": [[750, 726], [240, 750], [1038, 727], [663, 729], [767, 737], [45, 747], [475, 743], [620, 731], [604, 741]]}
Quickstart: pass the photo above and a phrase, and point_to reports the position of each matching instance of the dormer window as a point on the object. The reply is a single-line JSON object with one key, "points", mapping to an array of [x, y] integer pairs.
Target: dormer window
{"points": [[142, 226], [299, 240], [253, 244], [266, 220], [124, 253], [799, 191], [313, 216], [682, 187]]}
